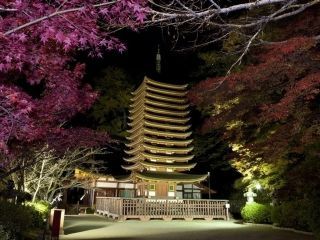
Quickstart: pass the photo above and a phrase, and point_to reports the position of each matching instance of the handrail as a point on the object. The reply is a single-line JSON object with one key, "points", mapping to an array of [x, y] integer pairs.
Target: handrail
{"points": [[146, 208]]}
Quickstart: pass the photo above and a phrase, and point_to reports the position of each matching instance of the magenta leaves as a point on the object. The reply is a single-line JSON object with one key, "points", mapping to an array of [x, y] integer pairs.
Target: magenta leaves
{"points": [[39, 41]]}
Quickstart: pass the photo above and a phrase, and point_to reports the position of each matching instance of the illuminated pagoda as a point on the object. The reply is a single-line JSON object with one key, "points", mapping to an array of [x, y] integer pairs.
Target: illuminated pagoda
{"points": [[159, 147]]}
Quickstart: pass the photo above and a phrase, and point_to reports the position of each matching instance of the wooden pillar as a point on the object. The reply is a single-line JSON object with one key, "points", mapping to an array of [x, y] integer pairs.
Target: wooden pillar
{"points": [[65, 198], [117, 190]]}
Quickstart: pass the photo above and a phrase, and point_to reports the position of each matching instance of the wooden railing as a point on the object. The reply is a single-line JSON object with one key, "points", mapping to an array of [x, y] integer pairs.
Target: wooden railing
{"points": [[167, 209]]}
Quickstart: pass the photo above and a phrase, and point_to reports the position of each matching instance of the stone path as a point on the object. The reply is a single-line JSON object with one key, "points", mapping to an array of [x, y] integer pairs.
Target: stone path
{"points": [[98, 227]]}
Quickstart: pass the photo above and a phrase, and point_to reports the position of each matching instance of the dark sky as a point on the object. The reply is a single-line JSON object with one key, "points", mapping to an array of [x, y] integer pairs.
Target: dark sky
{"points": [[139, 59]]}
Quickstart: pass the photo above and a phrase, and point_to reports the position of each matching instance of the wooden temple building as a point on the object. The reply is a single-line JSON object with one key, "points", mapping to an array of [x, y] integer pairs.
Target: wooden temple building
{"points": [[160, 145]]}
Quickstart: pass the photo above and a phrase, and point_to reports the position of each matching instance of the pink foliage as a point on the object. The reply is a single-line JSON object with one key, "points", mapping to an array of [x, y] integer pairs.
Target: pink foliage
{"points": [[63, 139], [276, 68], [306, 88], [39, 40]]}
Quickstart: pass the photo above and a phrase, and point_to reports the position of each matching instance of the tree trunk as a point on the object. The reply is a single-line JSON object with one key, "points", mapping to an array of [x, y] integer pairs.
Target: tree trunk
{"points": [[39, 180]]}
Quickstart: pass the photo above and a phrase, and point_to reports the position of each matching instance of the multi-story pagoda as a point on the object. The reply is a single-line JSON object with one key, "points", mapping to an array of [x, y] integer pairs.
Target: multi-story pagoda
{"points": [[159, 145]]}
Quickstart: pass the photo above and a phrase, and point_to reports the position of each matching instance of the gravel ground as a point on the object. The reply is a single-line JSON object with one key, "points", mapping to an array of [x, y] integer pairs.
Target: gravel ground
{"points": [[97, 227]]}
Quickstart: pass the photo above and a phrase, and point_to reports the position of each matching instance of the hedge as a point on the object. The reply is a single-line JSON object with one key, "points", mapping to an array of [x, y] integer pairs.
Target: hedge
{"points": [[256, 213]]}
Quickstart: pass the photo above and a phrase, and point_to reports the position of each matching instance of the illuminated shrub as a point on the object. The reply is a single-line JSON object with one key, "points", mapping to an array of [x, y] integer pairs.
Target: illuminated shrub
{"points": [[300, 214], [256, 213], [42, 207], [15, 220], [89, 210], [314, 216]]}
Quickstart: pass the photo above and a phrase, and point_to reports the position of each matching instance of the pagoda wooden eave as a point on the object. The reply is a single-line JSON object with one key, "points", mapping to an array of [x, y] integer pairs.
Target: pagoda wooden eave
{"points": [[167, 92], [167, 112], [165, 150], [153, 89], [137, 110], [163, 88], [160, 141], [165, 85], [152, 110], [159, 119], [135, 166], [165, 98], [166, 134], [159, 126], [140, 88], [169, 177], [159, 149], [167, 126], [145, 164], [160, 110], [142, 102], [159, 158], [135, 158], [179, 166], [181, 120]]}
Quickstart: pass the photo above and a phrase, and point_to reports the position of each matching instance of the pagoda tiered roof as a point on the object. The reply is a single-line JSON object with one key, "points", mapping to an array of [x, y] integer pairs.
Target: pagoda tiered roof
{"points": [[159, 134], [176, 167], [159, 141], [167, 134], [169, 176], [135, 106], [181, 120], [160, 150], [152, 124], [158, 158]]}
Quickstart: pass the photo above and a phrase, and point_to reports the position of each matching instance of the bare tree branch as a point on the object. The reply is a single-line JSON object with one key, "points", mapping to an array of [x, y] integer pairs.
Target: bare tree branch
{"points": [[244, 52], [8, 9], [51, 174], [56, 13]]}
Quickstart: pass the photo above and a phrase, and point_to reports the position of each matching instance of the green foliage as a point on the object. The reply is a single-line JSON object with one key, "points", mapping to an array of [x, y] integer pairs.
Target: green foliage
{"points": [[301, 214], [234, 42], [41, 207], [256, 213], [16, 220], [209, 148], [110, 111], [237, 201], [214, 64], [90, 210], [292, 215], [314, 216]]}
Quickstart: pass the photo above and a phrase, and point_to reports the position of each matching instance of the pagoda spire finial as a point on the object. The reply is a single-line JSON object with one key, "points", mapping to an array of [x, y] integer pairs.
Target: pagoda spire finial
{"points": [[158, 60]]}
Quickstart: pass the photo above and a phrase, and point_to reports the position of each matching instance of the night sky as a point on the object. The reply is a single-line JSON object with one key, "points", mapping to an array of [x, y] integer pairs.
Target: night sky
{"points": [[139, 59]]}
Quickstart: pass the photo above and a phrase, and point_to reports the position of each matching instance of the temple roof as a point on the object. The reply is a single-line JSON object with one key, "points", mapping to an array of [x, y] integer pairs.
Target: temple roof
{"points": [[175, 166], [170, 176], [169, 165]]}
